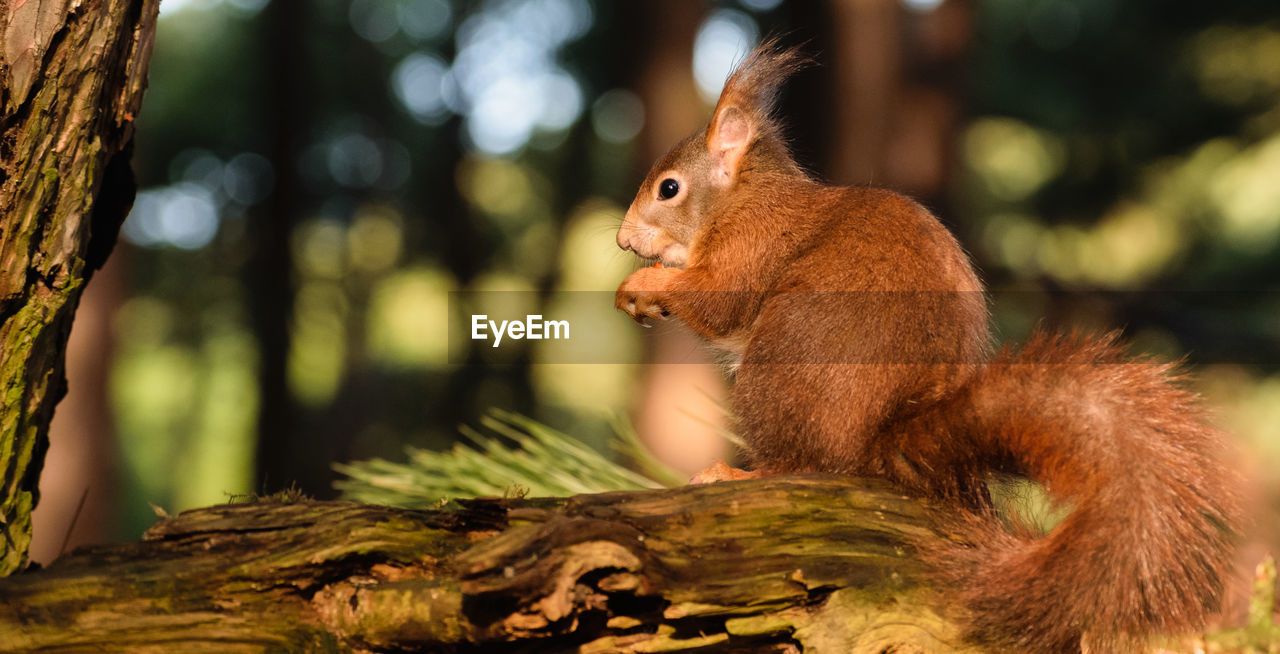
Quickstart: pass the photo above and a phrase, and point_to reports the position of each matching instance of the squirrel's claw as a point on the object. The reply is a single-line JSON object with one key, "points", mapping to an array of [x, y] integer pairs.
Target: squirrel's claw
{"points": [[651, 307], [644, 294]]}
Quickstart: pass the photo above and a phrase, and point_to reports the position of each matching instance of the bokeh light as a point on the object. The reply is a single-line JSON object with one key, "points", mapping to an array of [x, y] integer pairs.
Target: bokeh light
{"points": [[722, 41]]}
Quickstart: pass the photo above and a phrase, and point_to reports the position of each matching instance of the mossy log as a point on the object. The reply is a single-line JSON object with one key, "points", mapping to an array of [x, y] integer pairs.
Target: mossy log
{"points": [[814, 564]]}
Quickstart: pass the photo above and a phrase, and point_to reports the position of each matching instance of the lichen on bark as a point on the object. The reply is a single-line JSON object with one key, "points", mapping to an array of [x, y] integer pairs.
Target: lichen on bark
{"points": [[72, 74]]}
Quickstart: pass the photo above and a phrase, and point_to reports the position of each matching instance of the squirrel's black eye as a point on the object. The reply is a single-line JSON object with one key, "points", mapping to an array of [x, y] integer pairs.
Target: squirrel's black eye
{"points": [[668, 189]]}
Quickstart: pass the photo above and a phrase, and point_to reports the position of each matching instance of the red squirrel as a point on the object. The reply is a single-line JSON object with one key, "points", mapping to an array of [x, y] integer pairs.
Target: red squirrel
{"points": [[858, 334]]}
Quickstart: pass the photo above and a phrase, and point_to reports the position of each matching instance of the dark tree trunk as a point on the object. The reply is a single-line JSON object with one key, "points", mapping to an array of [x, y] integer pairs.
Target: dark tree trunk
{"points": [[268, 277], [73, 77]]}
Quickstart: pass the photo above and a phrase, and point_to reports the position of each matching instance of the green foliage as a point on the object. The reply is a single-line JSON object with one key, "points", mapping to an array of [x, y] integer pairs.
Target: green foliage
{"points": [[1026, 506], [1261, 635], [533, 460]]}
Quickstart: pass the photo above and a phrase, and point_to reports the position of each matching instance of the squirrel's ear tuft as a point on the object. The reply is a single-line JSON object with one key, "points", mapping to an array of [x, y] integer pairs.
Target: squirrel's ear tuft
{"points": [[745, 110]]}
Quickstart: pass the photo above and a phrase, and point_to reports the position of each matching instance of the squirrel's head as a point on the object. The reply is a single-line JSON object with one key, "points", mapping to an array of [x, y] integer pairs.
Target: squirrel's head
{"points": [[683, 190]]}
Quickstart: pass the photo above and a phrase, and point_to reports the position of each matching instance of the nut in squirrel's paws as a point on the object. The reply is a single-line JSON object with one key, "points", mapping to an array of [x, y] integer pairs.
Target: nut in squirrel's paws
{"points": [[720, 471], [645, 293]]}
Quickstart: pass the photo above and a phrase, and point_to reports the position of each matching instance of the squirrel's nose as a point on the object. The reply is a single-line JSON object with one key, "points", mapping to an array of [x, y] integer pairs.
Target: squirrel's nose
{"points": [[625, 230]]}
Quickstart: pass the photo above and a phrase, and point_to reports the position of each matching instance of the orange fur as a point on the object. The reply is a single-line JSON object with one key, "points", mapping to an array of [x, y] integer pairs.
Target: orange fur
{"points": [[860, 333]]}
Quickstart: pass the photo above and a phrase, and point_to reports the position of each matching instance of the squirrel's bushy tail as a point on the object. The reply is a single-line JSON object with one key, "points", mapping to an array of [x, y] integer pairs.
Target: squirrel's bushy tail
{"points": [[1153, 506]]}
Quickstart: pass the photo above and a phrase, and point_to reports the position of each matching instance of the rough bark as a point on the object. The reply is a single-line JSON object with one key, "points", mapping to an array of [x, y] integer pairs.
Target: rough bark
{"points": [[779, 565], [72, 74], [78, 481]]}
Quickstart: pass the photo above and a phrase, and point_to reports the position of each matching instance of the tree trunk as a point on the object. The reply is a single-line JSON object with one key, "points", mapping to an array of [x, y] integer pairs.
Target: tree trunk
{"points": [[778, 565], [73, 72], [78, 479], [896, 78], [283, 449]]}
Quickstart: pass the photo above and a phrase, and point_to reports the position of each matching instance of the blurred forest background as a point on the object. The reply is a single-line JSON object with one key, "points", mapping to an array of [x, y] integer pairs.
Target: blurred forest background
{"points": [[316, 178]]}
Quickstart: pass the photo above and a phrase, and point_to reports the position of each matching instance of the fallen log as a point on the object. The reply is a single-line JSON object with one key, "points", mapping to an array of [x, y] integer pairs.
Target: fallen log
{"points": [[814, 564]]}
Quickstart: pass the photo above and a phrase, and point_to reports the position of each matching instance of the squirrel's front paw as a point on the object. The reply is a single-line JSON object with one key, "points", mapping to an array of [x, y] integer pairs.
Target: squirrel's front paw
{"points": [[645, 293]]}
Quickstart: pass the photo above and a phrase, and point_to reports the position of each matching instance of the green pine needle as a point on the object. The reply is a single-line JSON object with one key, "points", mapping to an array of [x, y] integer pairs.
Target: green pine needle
{"points": [[544, 463]]}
